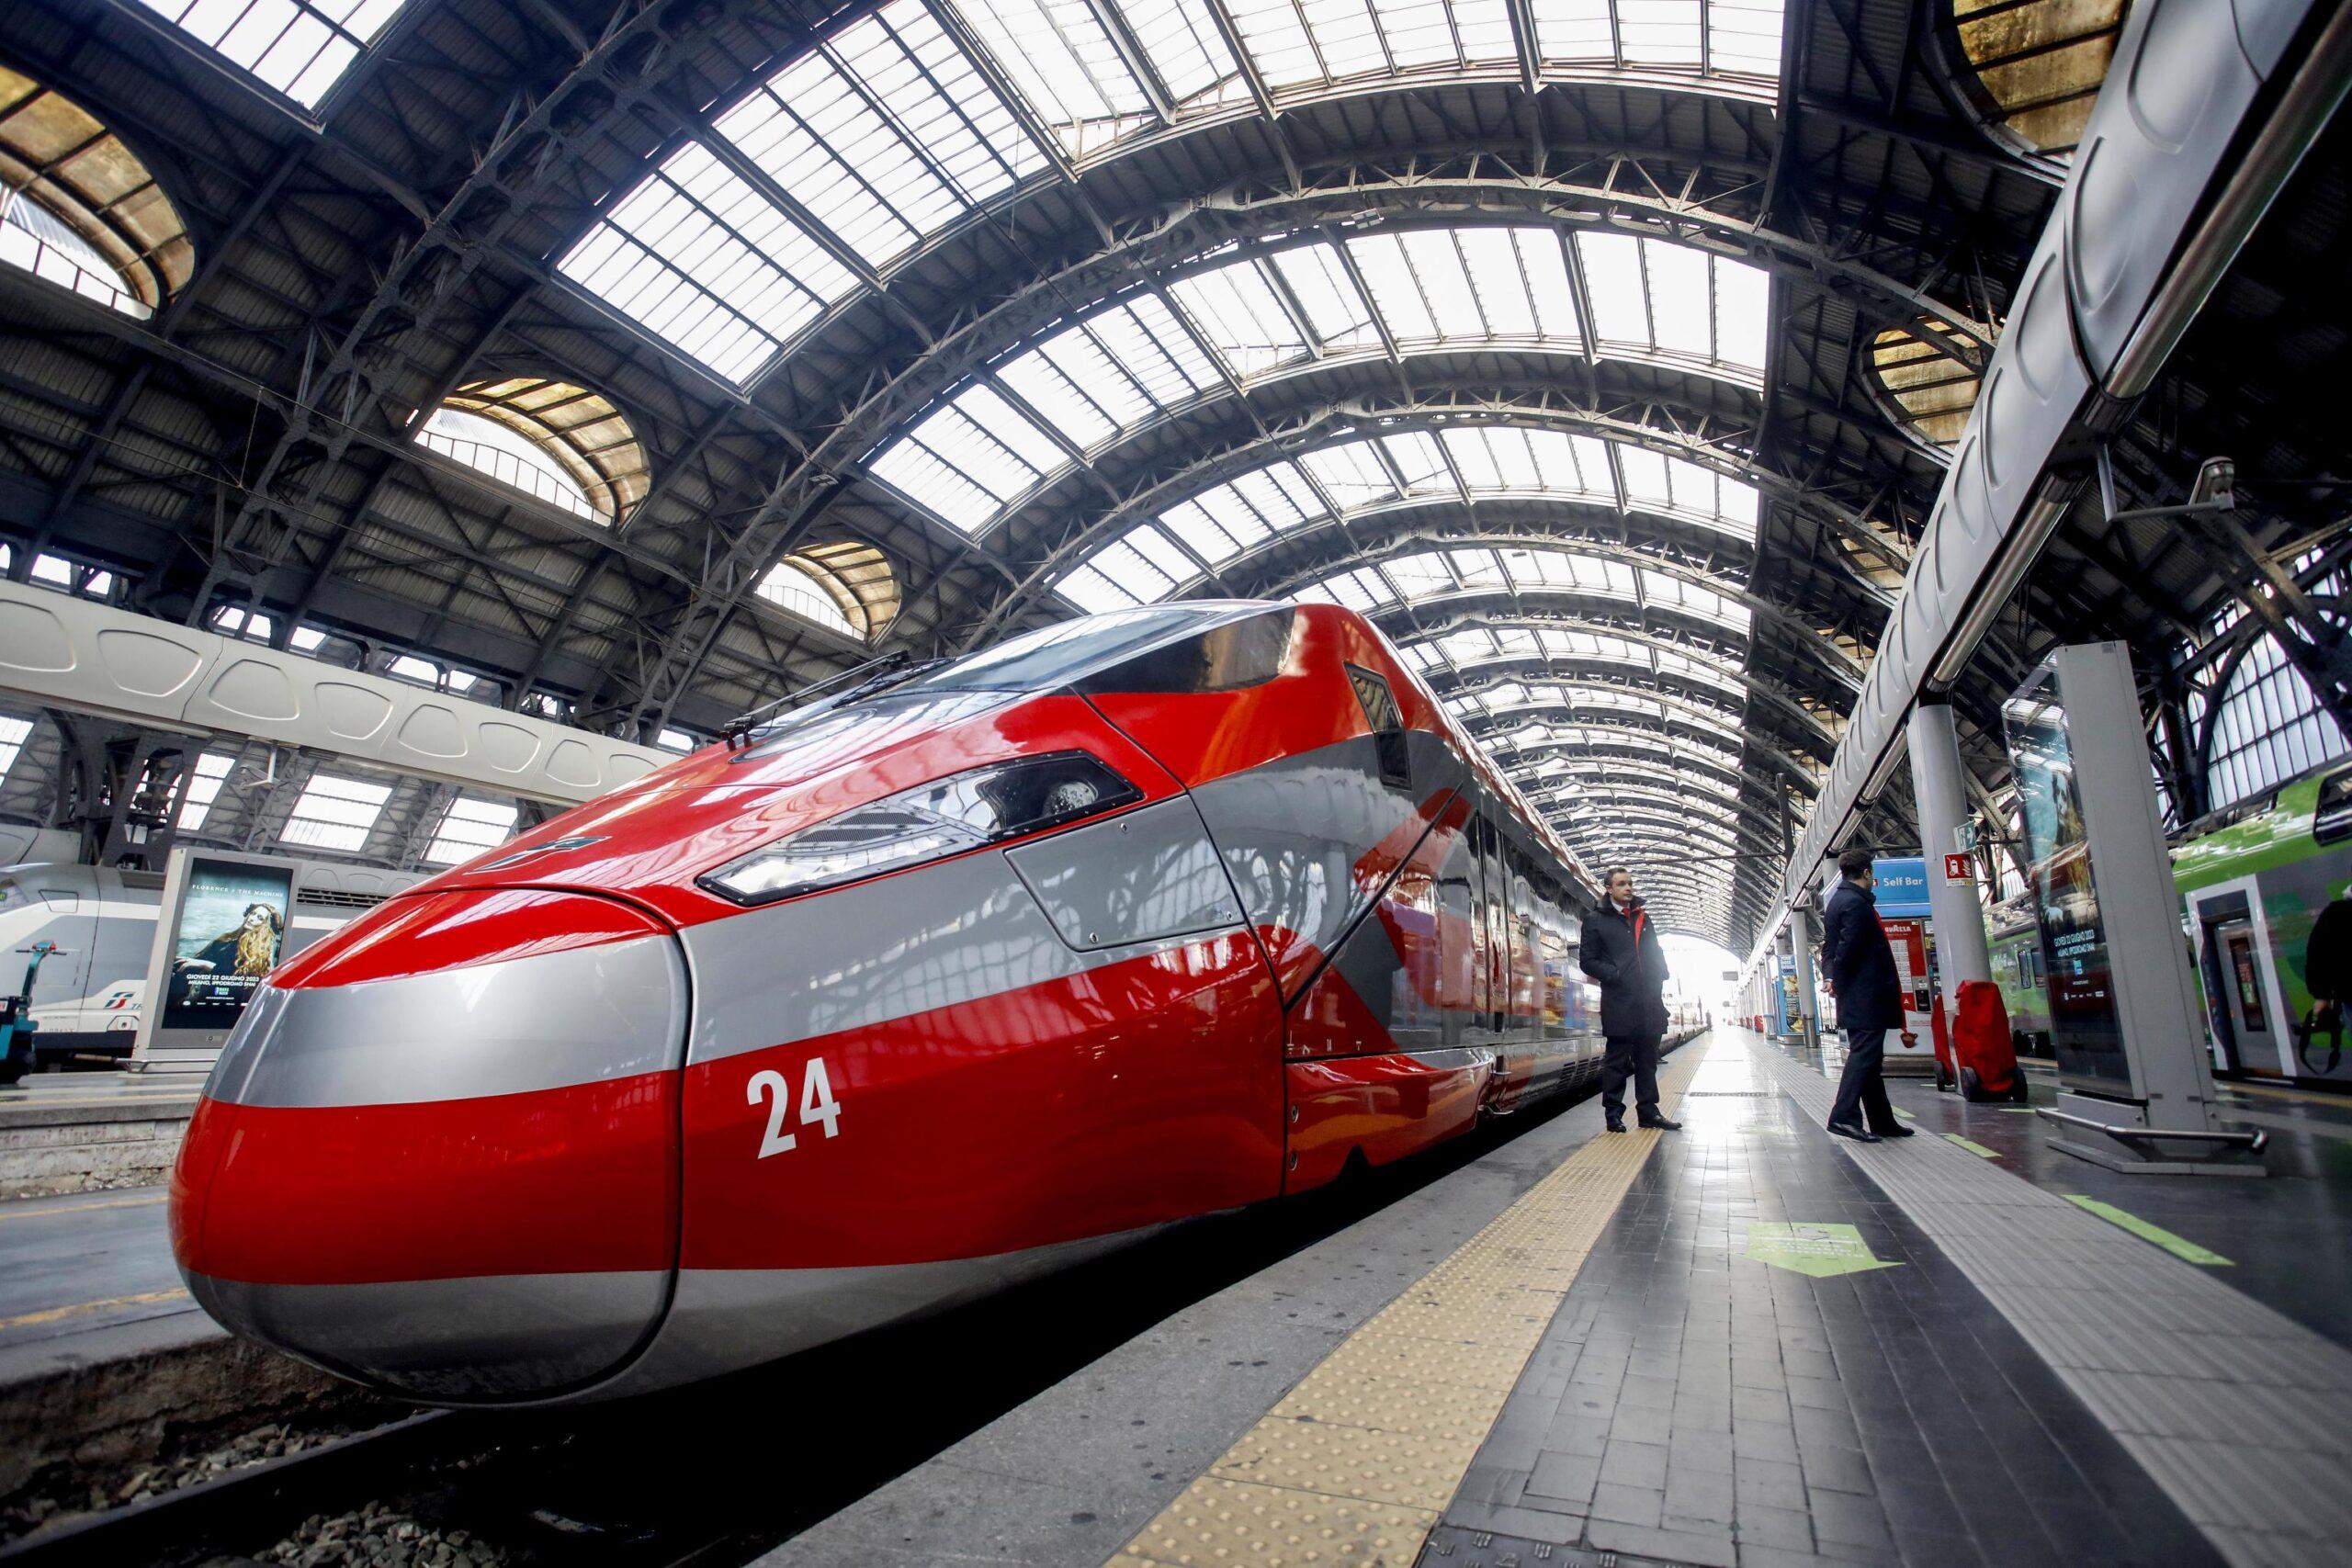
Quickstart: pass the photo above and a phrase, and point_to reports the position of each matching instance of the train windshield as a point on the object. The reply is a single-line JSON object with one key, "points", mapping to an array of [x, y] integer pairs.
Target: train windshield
{"points": [[1052, 655]]}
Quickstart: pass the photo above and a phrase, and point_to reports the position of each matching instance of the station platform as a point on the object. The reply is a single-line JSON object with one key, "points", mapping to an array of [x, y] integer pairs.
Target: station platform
{"points": [[85, 1131], [1746, 1343]]}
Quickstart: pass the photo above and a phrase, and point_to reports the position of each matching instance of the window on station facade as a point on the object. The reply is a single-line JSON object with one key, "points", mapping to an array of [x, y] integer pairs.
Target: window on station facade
{"points": [[334, 813], [847, 587], [675, 741], [301, 48], [563, 444], [79, 208], [469, 828], [2266, 727], [2034, 66]]}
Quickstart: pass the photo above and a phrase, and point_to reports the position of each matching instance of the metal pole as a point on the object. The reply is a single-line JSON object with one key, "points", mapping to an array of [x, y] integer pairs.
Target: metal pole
{"points": [[1939, 788], [1800, 943]]}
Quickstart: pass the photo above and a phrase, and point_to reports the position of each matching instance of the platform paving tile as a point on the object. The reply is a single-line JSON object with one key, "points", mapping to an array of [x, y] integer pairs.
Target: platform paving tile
{"points": [[1689, 1403], [2236, 1416]]}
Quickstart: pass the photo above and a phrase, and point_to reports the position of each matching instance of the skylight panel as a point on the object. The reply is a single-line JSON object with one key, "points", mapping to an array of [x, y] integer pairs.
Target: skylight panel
{"points": [[886, 134], [1238, 312], [14, 733], [1418, 458], [1656, 298], [1469, 284], [674, 740], [1275, 34], [1681, 306], [1577, 573], [1511, 459], [1336, 311], [703, 260], [302, 47], [469, 828], [1111, 372], [1185, 50], [1659, 588], [1422, 575], [1352, 474], [1743, 36], [1480, 569], [1361, 589], [204, 784], [334, 813], [967, 459], [1576, 31], [1060, 58], [1659, 32]]}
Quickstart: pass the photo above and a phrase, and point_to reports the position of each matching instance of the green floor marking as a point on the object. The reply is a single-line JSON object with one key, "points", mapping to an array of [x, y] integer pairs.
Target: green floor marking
{"points": [[1816, 1251], [2180, 1246], [1905, 1114], [1974, 1148], [2017, 1109]]}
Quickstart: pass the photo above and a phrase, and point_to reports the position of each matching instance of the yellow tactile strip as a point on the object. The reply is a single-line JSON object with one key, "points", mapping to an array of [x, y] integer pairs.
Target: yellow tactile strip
{"points": [[1356, 1463]]}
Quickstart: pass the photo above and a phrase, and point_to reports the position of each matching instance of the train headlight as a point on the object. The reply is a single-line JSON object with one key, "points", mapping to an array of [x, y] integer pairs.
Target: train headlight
{"points": [[963, 811]]}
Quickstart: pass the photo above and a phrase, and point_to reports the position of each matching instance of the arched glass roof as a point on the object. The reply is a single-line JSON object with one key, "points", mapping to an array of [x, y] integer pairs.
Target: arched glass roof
{"points": [[1100, 73], [1367, 475], [1509, 698], [78, 207], [1032, 414], [1428, 575]]}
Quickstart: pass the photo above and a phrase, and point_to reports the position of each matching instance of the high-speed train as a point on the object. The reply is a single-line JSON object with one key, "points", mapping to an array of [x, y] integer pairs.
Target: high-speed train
{"points": [[955, 976]]}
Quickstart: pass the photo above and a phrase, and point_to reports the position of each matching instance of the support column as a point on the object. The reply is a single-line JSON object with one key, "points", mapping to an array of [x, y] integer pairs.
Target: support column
{"points": [[1801, 940], [1940, 787]]}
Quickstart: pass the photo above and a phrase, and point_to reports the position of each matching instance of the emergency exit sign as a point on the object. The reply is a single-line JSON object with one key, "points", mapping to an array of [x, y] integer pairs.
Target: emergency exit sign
{"points": [[1957, 868]]}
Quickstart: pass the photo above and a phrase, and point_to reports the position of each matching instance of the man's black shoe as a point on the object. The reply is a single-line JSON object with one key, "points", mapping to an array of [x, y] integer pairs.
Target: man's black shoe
{"points": [[1897, 1131], [1855, 1131], [1615, 1125], [1662, 1124]]}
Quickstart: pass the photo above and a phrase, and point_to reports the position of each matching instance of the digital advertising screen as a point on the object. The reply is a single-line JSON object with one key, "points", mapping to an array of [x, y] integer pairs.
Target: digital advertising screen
{"points": [[232, 930], [2085, 1033]]}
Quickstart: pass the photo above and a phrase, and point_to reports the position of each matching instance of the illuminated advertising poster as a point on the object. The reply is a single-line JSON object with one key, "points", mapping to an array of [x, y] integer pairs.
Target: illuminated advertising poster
{"points": [[232, 929], [2085, 1034]]}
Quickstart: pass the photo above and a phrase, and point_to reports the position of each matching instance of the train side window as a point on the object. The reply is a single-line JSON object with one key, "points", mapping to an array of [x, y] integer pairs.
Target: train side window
{"points": [[1226, 658], [1387, 721], [2332, 816], [64, 900]]}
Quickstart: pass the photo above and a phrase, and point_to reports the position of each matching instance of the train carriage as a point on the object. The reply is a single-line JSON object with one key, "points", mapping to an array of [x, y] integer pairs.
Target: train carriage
{"points": [[956, 975], [2255, 881]]}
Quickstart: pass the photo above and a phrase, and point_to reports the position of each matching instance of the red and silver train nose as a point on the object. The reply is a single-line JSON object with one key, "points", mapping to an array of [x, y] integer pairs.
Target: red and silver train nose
{"points": [[440, 1154]]}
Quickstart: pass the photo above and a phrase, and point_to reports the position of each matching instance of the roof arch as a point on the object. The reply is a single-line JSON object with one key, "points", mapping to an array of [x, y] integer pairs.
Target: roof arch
{"points": [[1670, 439], [902, 124], [101, 203]]}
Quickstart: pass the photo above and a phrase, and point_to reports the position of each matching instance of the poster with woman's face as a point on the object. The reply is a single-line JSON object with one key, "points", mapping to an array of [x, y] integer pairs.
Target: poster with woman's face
{"points": [[232, 930]]}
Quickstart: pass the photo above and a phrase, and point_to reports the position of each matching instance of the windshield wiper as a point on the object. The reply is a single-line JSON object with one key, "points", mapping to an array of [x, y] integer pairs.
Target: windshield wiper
{"points": [[877, 674]]}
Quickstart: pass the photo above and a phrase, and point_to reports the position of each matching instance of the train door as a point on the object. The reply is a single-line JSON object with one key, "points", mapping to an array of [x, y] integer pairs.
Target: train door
{"points": [[62, 988], [2240, 962]]}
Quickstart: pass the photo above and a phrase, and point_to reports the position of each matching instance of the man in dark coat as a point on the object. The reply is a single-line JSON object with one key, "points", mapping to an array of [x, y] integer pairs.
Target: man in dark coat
{"points": [[1858, 962], [1621, 950]]}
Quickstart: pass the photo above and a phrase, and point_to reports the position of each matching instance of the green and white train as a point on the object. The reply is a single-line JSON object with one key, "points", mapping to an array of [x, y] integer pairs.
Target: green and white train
{"points": [[2254, 882], [2266, 888]]}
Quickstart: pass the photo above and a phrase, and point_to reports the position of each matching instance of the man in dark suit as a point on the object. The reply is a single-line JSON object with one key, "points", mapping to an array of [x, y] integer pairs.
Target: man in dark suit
{"points": [[1858, 962], [1620, 949]]}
